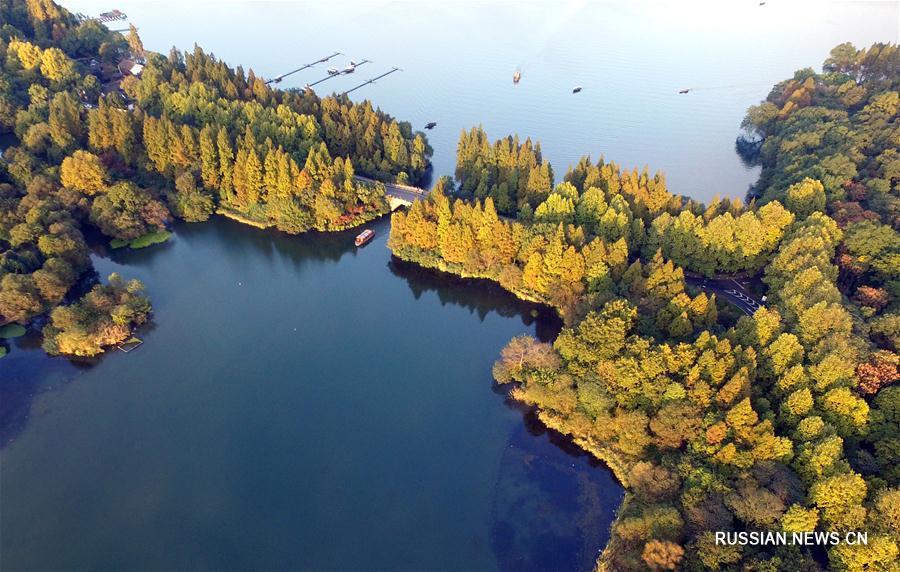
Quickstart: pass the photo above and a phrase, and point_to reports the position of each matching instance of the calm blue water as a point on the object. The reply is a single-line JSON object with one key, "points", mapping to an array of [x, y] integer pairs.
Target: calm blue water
{"points": [[297, 404]]}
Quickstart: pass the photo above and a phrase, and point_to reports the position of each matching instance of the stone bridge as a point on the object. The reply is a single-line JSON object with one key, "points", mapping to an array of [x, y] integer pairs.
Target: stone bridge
{"points": [[399, 195]]}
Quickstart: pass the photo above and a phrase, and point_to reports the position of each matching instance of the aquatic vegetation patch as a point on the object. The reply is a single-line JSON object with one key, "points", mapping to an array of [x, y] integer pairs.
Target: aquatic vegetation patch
{"points": [[10, 331], [144, 241]]}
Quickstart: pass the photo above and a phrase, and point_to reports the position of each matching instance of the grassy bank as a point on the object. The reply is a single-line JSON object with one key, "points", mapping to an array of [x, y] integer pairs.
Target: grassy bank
{"points": [[142, 241]]}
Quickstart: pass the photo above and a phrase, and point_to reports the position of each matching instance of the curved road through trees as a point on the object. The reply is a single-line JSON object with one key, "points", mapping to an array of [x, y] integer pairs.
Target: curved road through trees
{"points": [[730, 289]]}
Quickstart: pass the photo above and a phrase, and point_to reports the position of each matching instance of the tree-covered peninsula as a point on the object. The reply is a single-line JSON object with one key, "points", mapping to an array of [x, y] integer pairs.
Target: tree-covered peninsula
{"points": [[786, 420], [104, 136]]}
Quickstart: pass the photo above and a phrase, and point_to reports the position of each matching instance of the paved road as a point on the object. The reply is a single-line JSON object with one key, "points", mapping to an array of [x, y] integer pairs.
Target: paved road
{"points": [[404, 194], [730, 289]]}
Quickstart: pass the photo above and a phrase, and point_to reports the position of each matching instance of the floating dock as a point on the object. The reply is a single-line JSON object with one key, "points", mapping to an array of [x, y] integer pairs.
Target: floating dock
{"points": [[130, 344], [373, 80], [278, 79], [340, 73]]}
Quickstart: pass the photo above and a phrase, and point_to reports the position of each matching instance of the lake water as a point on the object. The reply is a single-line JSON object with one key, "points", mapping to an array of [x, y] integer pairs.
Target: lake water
{"points": [[299, 403]]}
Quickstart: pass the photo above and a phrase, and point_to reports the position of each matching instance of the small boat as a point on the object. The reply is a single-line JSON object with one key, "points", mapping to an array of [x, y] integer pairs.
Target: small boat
{"points": [[333, 71], [349, 69], [364, 237], [430, 125], [684, 90], [576, 89], [517, 76]]}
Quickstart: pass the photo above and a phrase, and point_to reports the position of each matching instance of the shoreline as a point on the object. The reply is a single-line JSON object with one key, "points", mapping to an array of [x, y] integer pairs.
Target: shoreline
{"points": [[244, 219], [441, 266], [609, 459]]}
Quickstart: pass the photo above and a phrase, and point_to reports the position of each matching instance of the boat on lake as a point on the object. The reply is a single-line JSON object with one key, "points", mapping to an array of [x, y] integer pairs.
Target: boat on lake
{"points": [[364, 237], [576, 89], [430, 125], [517, 76]]}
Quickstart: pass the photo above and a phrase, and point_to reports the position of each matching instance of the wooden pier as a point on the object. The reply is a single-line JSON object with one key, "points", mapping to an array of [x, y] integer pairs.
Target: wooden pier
{"points": [[373, 80], [340, 73], [104, 17], [278, 79]]}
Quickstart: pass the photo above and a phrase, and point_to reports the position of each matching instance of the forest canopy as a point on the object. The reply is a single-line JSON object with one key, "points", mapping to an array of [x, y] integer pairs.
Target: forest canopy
{"points": [[91, 149], [787, 419], [784, 420]]}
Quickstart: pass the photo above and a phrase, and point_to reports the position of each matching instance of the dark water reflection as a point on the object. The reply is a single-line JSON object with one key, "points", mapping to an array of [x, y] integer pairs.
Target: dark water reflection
{"points": [[480, 296], [551, 511], [22, 380], [298, 403]]}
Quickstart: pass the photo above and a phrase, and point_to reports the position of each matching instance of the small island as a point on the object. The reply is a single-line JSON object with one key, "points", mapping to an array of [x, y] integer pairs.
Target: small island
{"points": [[102, 318]]}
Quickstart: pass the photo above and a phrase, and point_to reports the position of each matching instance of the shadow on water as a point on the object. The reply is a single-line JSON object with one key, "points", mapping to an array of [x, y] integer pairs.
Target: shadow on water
{"points": [[553, 502], [478, 296], [300, 249], [16, 394], [26, 373], [136, 256]]}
